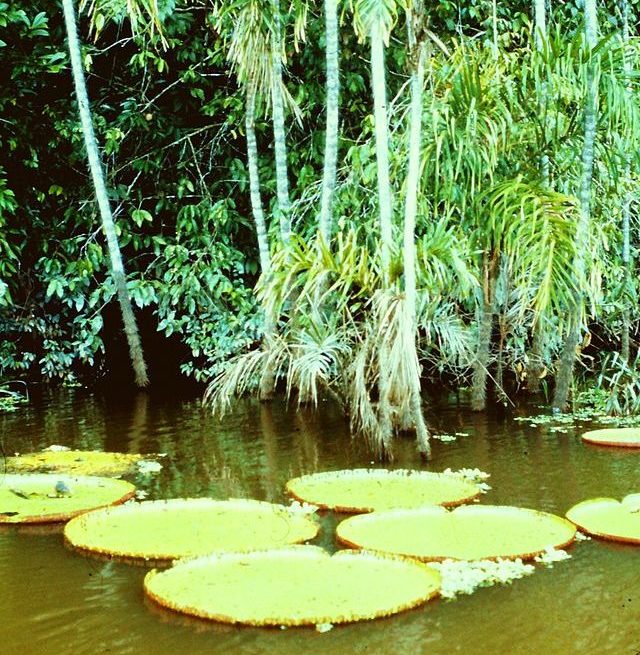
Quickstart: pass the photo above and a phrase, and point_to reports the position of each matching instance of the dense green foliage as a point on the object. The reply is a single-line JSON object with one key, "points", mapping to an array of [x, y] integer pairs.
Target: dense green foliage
{"points": [[498, 281]]}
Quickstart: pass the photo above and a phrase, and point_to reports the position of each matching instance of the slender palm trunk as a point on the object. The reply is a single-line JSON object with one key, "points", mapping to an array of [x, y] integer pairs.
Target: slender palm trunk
{"points": [[254, 181], [494, 27], [279, 137], [486, 313], [567, 360], [267, 380], [536, 364], [409, 245], [325, 223], [626, 203], [95, 166], [382, 148]]}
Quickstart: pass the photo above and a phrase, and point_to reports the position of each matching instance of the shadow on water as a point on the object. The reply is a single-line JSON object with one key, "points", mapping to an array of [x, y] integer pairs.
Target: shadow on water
{"points": [[55, 601]]}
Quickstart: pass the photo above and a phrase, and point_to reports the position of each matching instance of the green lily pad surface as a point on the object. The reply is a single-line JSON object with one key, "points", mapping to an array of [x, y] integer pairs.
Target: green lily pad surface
{"points": [[78, 462], [620, 437], [48, 498], [366, 490], [300, 585], [470, 532], [609, 518], [170, 529]]}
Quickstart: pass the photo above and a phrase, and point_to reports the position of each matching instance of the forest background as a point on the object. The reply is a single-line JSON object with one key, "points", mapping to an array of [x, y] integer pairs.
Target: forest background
{"points": [[346, 199]]}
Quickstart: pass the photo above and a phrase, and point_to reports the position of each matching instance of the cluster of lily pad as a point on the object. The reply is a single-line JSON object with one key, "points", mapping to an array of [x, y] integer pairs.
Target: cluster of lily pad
{"points": [[411, 537]]}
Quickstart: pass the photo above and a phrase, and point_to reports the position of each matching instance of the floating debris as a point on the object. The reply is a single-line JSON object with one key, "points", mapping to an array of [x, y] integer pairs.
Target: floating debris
{"points": [[463, 577]]}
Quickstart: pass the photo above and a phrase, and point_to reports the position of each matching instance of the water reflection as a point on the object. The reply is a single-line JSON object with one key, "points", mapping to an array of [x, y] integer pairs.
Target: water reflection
{"points": [[53, 600]]}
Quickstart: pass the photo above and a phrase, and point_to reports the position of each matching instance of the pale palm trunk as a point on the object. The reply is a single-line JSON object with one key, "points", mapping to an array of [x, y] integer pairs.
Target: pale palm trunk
{"points": [[626, 204], [254, 181], [536, 361], [409, 246], [567, 360], [95, 166], [382, 148], [279, 136], [267, 381], [494, 26], [385, 216], [325, 223]]}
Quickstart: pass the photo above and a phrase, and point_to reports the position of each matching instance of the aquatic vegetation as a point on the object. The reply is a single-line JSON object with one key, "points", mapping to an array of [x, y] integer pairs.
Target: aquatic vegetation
{"points": [[608, 518], [471, 532], [552, 555], [170, 529], [621, 437], [77, 462], [49, 498], [464, 577], [300, 585], [366, 490]]}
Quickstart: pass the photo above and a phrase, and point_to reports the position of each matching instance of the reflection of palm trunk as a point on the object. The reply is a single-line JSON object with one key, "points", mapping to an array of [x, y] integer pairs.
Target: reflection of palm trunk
{"points": [[486, 312], [331, 139], [270, 475], [567, 359], [95, 166], [279, 139]]}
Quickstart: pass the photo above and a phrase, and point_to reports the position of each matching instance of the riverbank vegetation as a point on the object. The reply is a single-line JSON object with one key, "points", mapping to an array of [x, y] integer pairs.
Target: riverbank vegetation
{"points": [[343, 198]]}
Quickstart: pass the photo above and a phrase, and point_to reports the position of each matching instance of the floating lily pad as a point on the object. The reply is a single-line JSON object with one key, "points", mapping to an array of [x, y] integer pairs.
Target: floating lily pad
{"points": [[609, 518], [366, 490], [621, 437], [45, 498], [299, 585], [78, 462], [170, 529], [471, 532]]}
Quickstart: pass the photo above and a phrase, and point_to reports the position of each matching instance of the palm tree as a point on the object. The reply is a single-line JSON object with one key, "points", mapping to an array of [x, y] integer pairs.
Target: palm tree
{"points": [[626, 203], [279, 135], [415, 25], [325, 222], [100, 189], [374, 19], [564, 375]]}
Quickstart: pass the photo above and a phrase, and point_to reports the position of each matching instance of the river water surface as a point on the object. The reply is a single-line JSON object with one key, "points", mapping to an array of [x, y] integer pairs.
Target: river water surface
{"points": [[56, 602]]}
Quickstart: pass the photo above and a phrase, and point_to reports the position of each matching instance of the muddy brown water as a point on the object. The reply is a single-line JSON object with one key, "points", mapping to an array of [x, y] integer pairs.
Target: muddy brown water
{"points": [[56, 602]]}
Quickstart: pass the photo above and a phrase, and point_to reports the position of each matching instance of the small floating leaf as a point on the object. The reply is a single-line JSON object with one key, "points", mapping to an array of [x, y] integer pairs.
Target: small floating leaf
{"points": [[77, 462], [366, 490], [608, 518], [468, 533], [170, 529], [621, 437], [45, 498], [300, 585]]}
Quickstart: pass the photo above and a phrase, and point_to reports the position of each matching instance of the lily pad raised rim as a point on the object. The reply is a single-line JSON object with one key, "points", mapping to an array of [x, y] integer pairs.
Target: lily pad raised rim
{"points": [[372, 472], [463, 509], [286, 552], [606, 437], [128, 489], [161, 557], [603, 535]]}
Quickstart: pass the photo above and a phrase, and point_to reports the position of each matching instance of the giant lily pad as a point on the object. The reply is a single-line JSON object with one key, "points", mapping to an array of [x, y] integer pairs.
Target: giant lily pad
{"points": [[366, 490], [299, 585], [609, 518], [621, 437], [471, 532], [44, 498], [170, 529], [78, 462]]}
